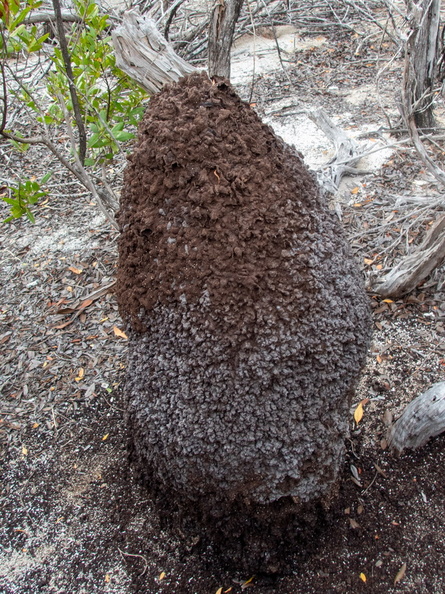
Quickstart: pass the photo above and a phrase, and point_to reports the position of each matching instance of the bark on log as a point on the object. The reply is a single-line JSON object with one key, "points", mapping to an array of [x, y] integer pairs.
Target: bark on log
{"points": [[415, 267], [222, 26], [423, 418], [144, 54]]}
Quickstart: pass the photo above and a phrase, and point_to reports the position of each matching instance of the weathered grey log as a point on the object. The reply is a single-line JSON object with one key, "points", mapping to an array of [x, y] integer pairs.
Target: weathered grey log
{"points": [[346, 156], [423, 418], [415, 267], [144, 54]]}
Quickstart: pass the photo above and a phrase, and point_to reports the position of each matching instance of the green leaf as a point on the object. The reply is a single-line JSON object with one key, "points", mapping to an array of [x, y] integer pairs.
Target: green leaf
{"points": [[117, 128], [124, 136], [17, 211], [46, 177], [10, 201], [30, 216]]}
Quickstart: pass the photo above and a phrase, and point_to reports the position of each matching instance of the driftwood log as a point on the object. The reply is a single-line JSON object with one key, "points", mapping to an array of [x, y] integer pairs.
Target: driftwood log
{"points": [[346, 156], [423, 418], [144, 54], [415, 267]]}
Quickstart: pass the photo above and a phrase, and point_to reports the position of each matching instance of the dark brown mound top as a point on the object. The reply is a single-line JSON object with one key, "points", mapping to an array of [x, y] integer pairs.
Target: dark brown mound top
{"points": [[209, 204]]}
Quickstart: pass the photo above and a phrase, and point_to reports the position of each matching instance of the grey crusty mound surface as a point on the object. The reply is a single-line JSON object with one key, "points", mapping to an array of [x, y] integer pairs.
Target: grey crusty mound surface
{"points": [[247, 316]]}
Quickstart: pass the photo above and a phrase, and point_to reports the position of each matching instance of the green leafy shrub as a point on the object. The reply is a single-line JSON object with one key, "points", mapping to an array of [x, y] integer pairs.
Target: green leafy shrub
{"points": [[111, 104], [21, 197]]}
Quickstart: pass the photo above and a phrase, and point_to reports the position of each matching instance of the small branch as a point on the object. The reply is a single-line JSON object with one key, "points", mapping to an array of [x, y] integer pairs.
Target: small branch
{"points": [[80, 173], [172, 10], [71, 82], [48, 17], [4, 99]]}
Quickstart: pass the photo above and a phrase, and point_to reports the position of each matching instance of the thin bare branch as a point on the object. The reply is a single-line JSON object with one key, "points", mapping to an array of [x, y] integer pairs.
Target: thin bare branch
{"points": [[71, 82]]}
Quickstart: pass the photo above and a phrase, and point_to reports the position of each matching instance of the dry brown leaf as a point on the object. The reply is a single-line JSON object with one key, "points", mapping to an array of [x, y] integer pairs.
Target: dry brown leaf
{"points": [[354, 523], [367, 261], [400, 574], [60, 326], [80, 375], [119, 333], [358, 413], [65, 311], [355, 190], [379, 470], [247, 583], [105, 437], [387, 417], [75, 270], [219, 591], [85, 304]]}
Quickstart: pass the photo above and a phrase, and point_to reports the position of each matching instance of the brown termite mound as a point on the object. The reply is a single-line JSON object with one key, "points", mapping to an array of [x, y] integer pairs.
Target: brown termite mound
{"points": [[247, 319]]}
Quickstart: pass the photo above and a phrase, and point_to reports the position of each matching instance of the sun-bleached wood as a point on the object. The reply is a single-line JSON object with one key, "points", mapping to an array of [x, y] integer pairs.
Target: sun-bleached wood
{"points": [[423, 418], [144, 54], [415, 267]]}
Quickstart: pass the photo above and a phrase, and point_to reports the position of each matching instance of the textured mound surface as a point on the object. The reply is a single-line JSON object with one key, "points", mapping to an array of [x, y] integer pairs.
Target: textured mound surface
{"points": [[248, 320]]}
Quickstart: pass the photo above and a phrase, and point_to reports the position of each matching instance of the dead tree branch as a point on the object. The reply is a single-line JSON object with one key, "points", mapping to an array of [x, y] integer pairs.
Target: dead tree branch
{"points": [[415, 267], [224, 16], [346, 156]]}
